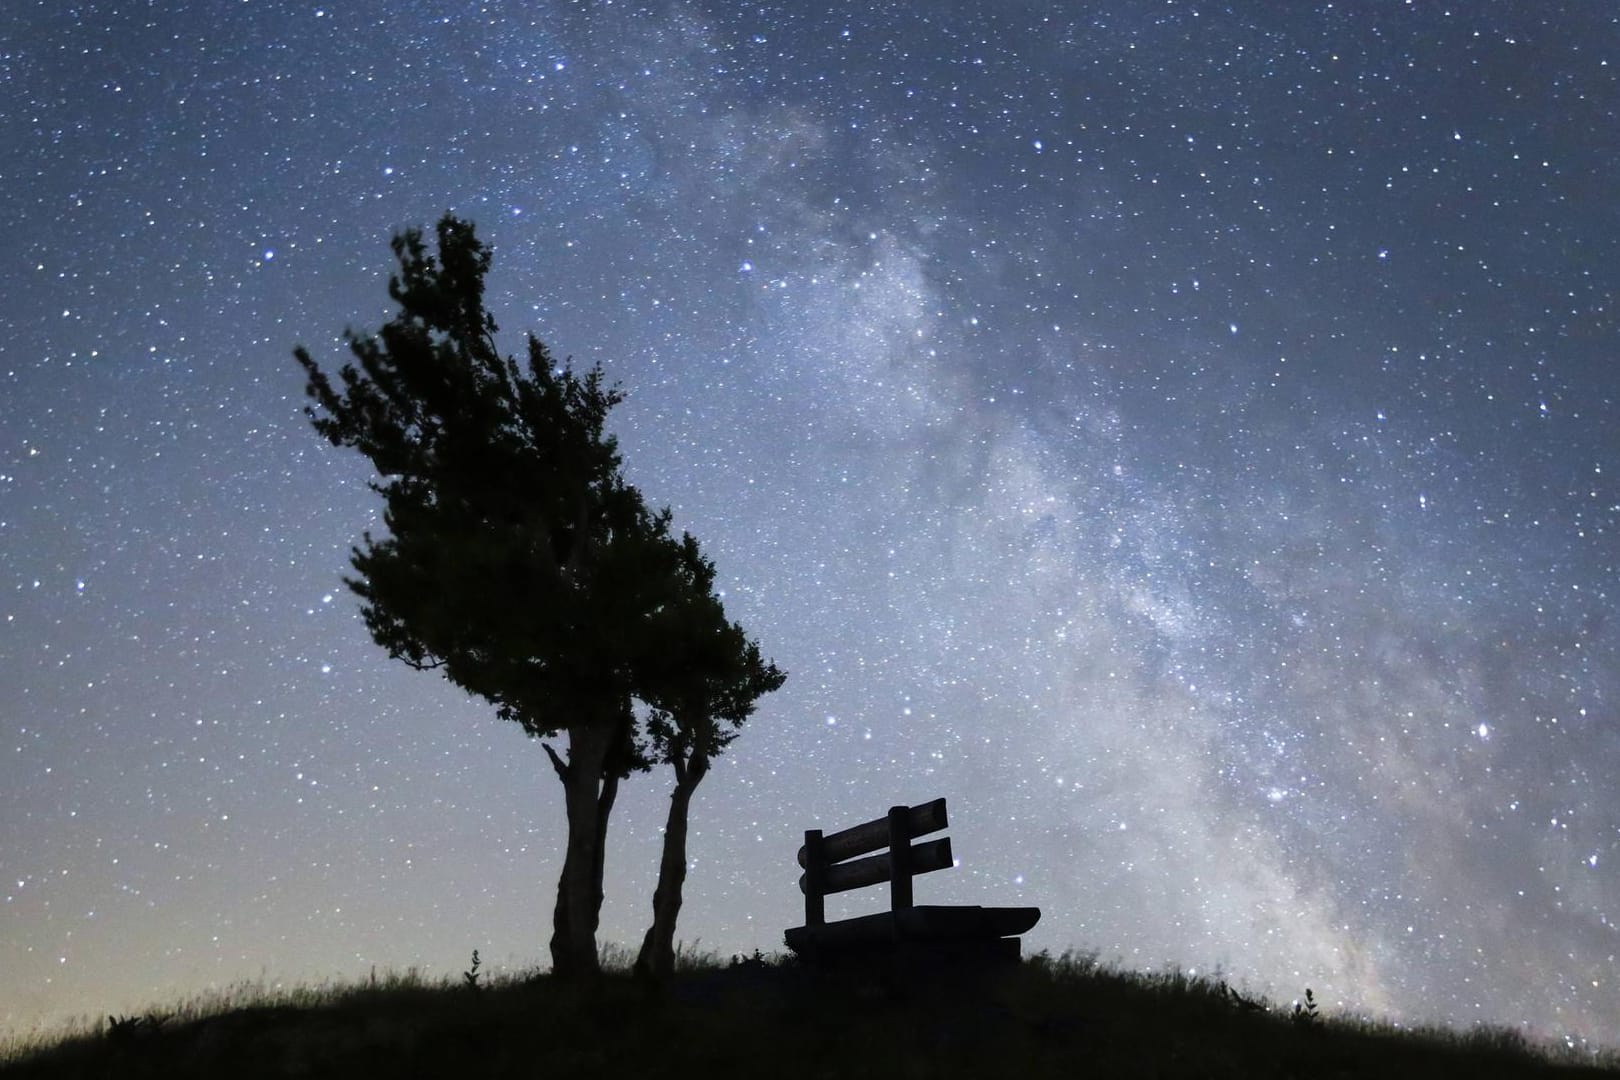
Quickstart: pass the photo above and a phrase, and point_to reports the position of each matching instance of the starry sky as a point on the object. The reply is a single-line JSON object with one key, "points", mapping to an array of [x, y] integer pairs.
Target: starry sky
{"points": [[1182, 434]]}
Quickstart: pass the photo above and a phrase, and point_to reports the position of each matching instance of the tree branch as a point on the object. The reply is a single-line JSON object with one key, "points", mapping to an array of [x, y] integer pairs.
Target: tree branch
{"points": [[582, 521], [556, 762], [698, 768]]}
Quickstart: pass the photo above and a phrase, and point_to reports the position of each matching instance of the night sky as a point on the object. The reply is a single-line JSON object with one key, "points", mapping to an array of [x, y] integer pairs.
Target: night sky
{"points": [[1184, 435]]}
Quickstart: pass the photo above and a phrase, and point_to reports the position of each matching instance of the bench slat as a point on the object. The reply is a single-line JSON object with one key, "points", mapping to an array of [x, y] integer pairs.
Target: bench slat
{"points": [[931, 923], [925, 858], [925, 818]]}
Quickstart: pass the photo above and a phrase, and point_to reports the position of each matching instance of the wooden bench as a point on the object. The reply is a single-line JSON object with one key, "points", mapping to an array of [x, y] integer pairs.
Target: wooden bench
{"points": [[831, 865]]}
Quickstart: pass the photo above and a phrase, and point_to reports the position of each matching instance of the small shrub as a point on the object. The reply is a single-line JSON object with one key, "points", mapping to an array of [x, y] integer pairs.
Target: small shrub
{"points": [[472, 973], [125, 1029], [1240, 1002], [690, 957], [757, 961], [616, 959], [1305, 1014]]}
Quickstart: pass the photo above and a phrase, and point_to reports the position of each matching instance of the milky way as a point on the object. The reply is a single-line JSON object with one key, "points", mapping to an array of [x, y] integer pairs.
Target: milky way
{"points": [[1182, 435]]}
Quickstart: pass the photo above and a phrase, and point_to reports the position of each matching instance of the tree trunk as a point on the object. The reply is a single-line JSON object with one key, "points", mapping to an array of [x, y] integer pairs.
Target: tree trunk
{"points": [[657, 957], [620, 756], [579, 898], [604, 807]]}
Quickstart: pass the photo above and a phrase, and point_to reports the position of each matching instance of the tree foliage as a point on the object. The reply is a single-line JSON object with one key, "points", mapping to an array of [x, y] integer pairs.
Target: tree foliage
{"points": [[517, 558], [706, 680]]}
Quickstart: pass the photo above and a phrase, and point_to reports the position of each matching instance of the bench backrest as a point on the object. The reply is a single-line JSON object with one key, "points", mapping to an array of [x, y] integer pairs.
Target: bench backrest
{"points": [[831, 864]]}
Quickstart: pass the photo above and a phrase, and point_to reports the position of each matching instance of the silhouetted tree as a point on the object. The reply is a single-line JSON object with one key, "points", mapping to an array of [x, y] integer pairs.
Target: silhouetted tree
{"points": [[518, 561], [700, 688]]}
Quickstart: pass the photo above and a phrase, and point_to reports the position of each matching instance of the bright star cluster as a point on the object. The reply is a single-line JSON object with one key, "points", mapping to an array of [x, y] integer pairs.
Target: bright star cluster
{"points": [[1184, 435]]}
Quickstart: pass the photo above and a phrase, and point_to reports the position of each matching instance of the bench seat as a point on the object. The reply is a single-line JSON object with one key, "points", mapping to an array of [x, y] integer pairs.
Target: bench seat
{"points": [[926, 923]]}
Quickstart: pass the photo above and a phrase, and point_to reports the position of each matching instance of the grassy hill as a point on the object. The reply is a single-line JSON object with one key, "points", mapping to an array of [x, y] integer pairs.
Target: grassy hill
{"points": [[1063, 1016]]}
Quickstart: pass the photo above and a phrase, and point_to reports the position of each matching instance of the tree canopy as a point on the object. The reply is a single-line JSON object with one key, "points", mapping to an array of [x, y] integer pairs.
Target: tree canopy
{"points": [[517, 558]]}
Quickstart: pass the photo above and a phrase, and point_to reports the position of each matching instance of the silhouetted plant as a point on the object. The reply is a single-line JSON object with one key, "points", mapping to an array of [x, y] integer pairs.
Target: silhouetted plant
{"points": [[1239, 1001], [691, 956], [517, 560], [1305, 1014], [472, 973], [521, 564], [128, 1028]]}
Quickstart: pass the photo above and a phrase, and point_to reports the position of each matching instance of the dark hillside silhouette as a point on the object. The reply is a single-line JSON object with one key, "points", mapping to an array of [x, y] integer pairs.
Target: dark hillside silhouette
{"points": [[1060, 1017]]}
